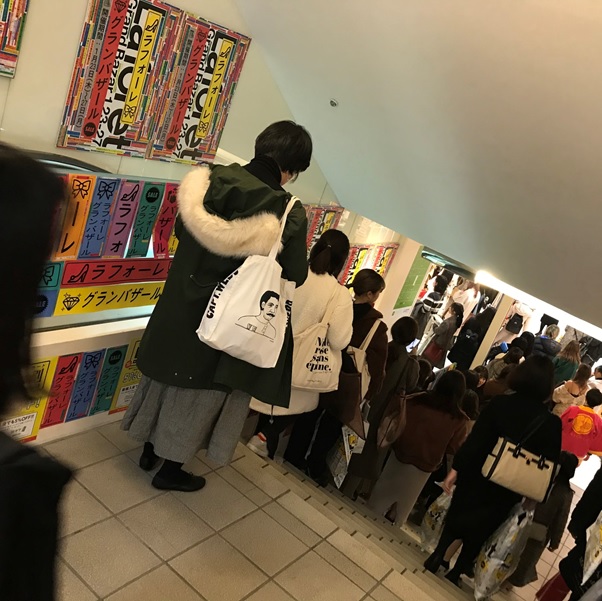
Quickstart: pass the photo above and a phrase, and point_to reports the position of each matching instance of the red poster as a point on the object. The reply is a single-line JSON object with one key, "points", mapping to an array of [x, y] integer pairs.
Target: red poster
{"points": [[114, 271], [60, 393], [165, 222], [108, 30]]}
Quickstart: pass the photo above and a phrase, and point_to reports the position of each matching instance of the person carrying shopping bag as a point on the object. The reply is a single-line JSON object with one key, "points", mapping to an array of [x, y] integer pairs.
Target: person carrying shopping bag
{"points": [[367, 327], [320, 298]]}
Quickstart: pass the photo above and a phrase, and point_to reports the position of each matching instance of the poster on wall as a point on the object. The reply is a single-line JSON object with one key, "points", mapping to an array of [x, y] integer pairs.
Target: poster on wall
{"points": [[12, 22], [151, 81], [195, 92], [320, 219]]}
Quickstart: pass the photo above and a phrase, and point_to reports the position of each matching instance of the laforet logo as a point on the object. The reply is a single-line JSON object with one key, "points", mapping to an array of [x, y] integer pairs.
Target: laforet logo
{"points": [[321, 358]]}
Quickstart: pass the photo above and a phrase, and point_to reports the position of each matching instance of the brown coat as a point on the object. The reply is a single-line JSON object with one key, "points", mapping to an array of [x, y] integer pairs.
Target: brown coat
{"points": [[430, 434]]}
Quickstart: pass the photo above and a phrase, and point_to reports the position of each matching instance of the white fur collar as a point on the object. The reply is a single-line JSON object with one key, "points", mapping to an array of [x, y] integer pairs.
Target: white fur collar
{"points": [[253, 235]]}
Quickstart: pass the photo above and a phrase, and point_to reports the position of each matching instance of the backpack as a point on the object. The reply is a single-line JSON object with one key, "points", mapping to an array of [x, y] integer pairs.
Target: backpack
{"points": [[359, 357], [315, 365], [515, 324]]}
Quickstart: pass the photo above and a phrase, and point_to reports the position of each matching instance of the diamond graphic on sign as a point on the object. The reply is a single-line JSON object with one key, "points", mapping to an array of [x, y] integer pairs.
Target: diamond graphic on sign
{"points": [[70, 301]]}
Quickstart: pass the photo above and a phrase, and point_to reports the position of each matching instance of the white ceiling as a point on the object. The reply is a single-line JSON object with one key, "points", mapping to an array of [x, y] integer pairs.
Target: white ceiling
{"points": [[472, 126]]}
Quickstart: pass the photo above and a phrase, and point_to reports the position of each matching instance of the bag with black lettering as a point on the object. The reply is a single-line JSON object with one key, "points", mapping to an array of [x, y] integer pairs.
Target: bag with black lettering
{"points": [[315, 365], [248, 313]]}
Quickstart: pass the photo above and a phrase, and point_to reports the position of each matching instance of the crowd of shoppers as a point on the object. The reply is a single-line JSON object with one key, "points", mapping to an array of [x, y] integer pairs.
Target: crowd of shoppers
{"points": [[195, 397]]}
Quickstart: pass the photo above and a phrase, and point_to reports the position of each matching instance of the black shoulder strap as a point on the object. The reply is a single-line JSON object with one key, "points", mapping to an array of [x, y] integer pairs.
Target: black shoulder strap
{"points": [[400, 388], [537, 423]]}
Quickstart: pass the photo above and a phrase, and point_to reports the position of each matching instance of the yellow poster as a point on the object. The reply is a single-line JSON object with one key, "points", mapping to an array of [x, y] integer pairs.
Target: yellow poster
{"points": [[24, 424], [90, 299], [81, 190], [128, 381], [217, 80], [141, 68], [173, 243]]}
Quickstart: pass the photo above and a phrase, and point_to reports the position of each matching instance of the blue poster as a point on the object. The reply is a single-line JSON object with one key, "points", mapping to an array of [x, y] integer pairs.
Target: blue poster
{"points": [[109, 378], [85, 385], [99, 218], [150, 203]]}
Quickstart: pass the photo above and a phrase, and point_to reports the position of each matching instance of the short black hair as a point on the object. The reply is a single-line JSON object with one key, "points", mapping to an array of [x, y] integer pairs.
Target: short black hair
{"points": [[329, 254], [288, 144], [266, 296], [441, 284], [593, 398], [404, 331], [534, 378], [482, 372]]}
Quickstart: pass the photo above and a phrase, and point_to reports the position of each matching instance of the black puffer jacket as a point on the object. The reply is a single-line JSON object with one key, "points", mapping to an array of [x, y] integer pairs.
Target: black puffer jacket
{"points": [[547, 347]]}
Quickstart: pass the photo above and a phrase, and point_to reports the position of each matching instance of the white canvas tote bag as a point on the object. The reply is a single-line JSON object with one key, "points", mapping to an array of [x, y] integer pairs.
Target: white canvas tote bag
{"points": [[315, 365], [248, 313]]}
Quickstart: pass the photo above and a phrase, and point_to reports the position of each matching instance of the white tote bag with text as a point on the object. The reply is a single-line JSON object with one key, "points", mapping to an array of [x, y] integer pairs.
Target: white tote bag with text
{"points": [[249, 311], [315, 365]]}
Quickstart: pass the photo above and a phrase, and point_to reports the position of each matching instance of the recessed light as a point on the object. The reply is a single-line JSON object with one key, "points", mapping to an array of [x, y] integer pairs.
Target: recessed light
{"points": [[334, 102]]}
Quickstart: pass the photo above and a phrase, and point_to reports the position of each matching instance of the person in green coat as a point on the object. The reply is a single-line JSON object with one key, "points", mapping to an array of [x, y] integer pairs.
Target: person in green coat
{"points": [[566, 363], [191, 396]]}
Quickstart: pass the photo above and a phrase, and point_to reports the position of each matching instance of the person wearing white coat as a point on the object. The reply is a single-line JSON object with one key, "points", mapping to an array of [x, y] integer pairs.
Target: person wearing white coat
{"points": [[312, 301]]}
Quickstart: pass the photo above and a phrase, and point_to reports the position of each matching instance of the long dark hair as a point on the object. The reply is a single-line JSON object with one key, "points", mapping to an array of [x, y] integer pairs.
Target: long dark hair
{"points": [[448, 393], [28, 203], [329, 253], [458, 310]]}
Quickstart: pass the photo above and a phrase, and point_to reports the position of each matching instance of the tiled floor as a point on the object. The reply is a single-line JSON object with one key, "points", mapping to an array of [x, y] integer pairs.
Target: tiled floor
{"points": [[251, 534]]}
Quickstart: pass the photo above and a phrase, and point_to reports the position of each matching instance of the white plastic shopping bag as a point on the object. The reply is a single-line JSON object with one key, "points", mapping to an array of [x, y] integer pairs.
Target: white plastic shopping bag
{"points": [[500, 555], [340, 456], [248, 313], [433, 521], [593, 550]]}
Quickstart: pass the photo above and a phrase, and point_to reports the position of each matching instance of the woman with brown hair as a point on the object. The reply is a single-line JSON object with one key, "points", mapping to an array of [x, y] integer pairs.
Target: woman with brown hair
{"points": [[566, 363], [436, 426], [572, 392]]}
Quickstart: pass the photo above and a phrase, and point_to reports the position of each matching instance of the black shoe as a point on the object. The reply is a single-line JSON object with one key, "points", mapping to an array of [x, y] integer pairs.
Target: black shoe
{"points": [[148, 462], [183, 482], [454, 577], [433, 562], [445, 565]]}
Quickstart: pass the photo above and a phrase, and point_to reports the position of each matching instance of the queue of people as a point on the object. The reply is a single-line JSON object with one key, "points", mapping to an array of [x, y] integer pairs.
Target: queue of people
{"points": [[193, 396]]}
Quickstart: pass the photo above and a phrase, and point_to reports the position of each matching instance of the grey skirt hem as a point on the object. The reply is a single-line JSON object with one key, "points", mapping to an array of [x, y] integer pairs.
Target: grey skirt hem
{"points": [[182, 421]]}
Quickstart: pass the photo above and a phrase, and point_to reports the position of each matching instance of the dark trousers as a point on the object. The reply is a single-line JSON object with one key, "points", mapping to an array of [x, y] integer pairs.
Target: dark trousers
{"points": [[272, 427], [326, 436]]}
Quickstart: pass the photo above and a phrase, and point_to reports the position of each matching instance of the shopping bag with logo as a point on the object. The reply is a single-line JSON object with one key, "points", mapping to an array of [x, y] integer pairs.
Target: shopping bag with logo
{"points": [[315, 365], [510, 465], [248, 313], [433, 521], [593, 550], [340, 456], [500, 555], [359, 356]]}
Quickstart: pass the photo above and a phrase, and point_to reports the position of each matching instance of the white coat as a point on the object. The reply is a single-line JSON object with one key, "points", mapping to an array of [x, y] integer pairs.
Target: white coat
{"points": [[309, 307]]}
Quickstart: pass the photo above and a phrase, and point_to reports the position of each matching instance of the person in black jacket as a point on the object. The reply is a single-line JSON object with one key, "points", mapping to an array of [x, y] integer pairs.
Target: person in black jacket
{"points": [[479, 506], [584, 515], [546, 344], [30, 485], [469, 339]]}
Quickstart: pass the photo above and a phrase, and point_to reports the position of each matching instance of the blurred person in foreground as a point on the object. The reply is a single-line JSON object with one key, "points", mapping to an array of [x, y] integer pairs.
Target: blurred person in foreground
{"points": [[30, 485]]}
